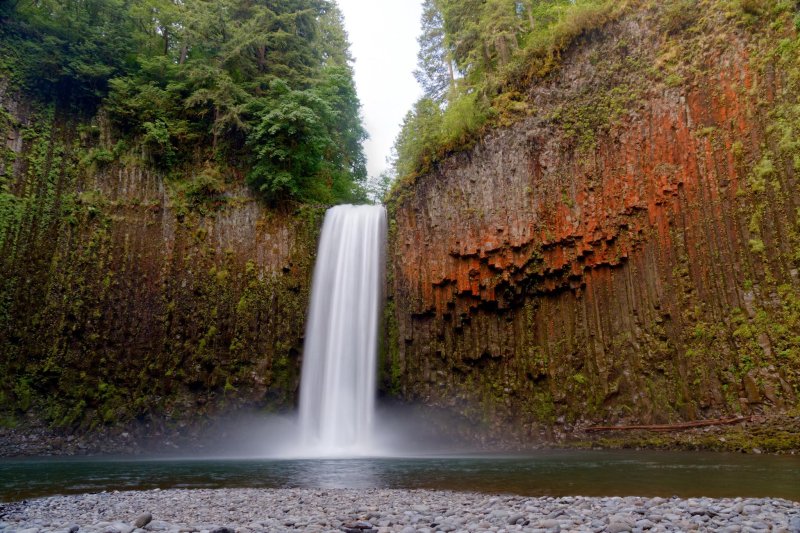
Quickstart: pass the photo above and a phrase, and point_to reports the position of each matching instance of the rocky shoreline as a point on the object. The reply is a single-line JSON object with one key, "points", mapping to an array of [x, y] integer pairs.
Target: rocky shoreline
{"points": [[384, 511]]}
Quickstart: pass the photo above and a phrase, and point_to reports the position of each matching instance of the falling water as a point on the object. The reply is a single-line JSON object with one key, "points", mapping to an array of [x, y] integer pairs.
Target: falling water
{"points": [[337, 391]]}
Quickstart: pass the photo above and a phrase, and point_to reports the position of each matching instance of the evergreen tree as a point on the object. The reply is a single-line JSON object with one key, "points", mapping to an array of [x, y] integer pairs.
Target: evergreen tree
{"points": [[264, 83], [435, 67], [489, 42], [501, 28]]}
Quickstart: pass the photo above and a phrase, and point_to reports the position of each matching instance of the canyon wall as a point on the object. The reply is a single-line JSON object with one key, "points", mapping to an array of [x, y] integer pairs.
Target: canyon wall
{"points": [[128, 294], [627, 251]]}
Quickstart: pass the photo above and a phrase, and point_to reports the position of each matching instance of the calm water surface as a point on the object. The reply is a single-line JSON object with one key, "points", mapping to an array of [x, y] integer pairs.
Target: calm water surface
{"points": [[552, 473]]}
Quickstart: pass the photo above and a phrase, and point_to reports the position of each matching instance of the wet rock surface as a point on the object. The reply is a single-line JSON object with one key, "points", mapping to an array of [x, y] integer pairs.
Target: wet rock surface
{"points": [[535, 278], [245, 510]]}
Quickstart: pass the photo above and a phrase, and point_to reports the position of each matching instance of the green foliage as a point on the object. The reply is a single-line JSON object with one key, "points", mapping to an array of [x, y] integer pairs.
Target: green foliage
{"points": [[66, 50], [582, 122], [476, 56], [295, 145], [435, 72], [756, 246], [679, 15], [420, 134], [191, 81], [203, 192], [751, 11], [462, 119], [755, 7]]}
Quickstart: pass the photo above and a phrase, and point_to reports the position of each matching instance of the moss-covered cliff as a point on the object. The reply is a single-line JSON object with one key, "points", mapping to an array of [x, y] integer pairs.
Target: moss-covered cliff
{"points": [[627, 251], [127, 294]]}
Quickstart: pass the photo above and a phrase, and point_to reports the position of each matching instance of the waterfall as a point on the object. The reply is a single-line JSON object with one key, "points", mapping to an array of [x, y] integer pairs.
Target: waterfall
{"points": [[337, 388]]}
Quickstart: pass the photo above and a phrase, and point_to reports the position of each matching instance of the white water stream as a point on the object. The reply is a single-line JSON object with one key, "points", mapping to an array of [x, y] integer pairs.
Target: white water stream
{"points": [[337, 388]]}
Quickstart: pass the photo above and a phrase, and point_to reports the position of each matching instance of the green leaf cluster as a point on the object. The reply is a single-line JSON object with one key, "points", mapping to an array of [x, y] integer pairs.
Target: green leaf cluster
{"points": [[263, 85]]}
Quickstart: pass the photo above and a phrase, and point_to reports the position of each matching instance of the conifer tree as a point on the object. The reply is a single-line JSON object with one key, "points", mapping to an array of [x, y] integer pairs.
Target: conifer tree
{"points": [[265, 83], [435, 67]]}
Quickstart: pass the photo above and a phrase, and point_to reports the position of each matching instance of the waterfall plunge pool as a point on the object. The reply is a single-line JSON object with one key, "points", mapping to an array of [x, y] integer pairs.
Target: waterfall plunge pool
{"points": [[337, 411], [546, 473]]}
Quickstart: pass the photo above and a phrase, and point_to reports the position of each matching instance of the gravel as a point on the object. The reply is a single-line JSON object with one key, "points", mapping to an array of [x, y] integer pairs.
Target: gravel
{"points": [[383, 510]]}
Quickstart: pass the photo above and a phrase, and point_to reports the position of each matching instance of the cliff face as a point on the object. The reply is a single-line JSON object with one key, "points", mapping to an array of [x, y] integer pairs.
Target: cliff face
{"points": [[128, 293], [626, 252]]}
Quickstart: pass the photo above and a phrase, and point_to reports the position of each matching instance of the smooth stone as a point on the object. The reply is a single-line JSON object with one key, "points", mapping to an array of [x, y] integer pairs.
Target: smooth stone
{"points": [[158, 525], [142, 520], [618, 527], [549, 524], [512, 520], [122, 527]]}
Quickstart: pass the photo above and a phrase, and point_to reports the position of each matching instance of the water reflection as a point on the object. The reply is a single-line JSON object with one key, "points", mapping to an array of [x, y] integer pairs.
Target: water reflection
{"points": [[337, 474], [590, 473]]}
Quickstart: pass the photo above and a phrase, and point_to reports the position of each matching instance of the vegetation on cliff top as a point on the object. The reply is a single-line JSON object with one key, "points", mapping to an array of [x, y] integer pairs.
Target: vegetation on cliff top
{"points": [[475, 59], [478, 57], [263, 85]]}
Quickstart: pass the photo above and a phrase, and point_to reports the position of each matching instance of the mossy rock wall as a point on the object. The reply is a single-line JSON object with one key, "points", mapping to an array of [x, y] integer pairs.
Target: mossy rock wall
{"points": [[628, 252], [127, 294]]}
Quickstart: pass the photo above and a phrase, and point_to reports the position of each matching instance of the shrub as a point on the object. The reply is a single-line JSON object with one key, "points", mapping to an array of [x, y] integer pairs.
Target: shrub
{"points": [[462, 119], [678, 16], [755, 7]]}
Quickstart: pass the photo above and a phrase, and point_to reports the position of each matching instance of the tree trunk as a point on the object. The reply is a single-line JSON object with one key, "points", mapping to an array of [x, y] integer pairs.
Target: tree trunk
{"points": [[452, 75], [214, 128], [673, 427], [486, 57], [501, 45], [262, 58]]}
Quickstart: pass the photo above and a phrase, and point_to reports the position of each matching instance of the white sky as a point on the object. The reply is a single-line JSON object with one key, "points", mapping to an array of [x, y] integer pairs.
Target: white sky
{"points": [[383, 38]]}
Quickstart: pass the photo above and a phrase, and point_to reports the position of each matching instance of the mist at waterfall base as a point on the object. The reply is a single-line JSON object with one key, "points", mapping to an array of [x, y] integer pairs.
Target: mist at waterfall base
{"points": [[337, 415], [398, 431]]}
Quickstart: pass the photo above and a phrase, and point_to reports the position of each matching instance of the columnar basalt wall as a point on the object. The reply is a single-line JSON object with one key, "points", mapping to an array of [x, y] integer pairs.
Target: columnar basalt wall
{"points": [[129, 294], [627, 252]]}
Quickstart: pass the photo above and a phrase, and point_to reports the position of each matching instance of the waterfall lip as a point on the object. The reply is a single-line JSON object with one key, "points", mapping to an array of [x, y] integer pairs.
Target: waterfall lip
{"points": [[338, 381]]}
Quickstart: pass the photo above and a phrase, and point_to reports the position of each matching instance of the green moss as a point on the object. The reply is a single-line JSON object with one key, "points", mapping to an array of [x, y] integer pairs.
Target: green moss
{"points": [[756, 246], [679, 15], [593, 113], [96, 331]]}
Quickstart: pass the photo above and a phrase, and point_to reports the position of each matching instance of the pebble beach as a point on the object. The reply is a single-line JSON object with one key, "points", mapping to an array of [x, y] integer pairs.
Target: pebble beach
{"points": [[384, 510]]}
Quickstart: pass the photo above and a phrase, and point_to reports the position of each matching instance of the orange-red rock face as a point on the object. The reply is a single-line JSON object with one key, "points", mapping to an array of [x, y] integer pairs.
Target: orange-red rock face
{"points": [[536, 278]]}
